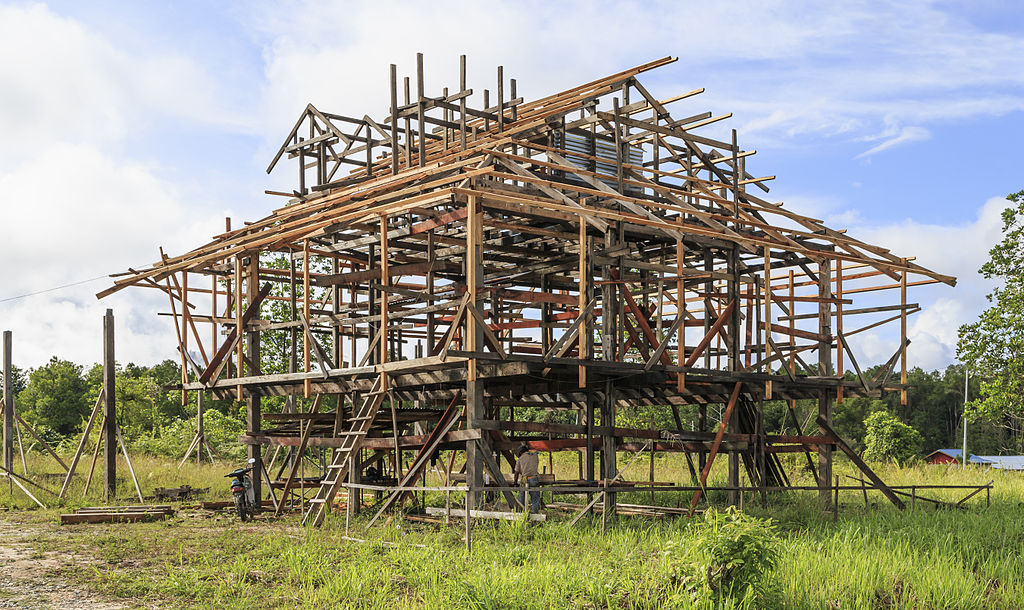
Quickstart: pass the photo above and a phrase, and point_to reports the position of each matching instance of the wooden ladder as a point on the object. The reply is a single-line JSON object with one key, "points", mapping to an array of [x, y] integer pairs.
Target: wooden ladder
{"points": [[352, 440]]}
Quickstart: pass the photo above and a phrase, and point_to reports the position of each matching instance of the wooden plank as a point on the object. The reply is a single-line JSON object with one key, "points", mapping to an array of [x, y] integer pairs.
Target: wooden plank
{"points": [[437, 511], [114, 517]]}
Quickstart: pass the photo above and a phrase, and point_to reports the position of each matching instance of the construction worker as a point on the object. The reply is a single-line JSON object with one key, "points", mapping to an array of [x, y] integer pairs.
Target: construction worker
{"points": [[527, 464]]}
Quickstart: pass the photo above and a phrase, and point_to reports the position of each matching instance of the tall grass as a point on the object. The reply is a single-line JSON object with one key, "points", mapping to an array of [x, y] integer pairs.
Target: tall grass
{"points": [[152, 472], [874, 556]]}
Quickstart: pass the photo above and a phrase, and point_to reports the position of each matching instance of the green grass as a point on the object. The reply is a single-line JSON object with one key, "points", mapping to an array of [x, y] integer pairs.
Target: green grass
{"points": [[874, 556]]}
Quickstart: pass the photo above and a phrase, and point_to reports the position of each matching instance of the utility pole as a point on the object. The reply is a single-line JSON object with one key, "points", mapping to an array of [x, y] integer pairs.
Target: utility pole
{"points": [[963, 418]]}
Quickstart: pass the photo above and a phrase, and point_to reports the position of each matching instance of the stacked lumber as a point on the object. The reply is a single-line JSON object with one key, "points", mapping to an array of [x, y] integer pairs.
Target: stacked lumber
{"points": [[117, 514]]}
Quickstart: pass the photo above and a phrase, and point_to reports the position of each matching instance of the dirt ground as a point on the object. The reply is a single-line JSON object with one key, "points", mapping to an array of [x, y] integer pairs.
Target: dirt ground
{"points": [[32, 577]]}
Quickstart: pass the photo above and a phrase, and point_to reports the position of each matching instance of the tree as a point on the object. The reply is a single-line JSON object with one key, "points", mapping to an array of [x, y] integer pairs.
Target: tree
{"points": [[17, 379], [56, 397], [993, 346], [887, 438]]}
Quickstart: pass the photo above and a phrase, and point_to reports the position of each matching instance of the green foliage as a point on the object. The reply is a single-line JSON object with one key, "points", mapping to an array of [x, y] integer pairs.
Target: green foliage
{"points": [[888, 438], [18, 379], [55, 399], [994, 344], [848, 418], [731, 556], [221, 431]]}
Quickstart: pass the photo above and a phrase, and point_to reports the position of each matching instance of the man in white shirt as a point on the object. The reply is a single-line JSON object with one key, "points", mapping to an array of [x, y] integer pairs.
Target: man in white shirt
{"points": [[527, 464]]}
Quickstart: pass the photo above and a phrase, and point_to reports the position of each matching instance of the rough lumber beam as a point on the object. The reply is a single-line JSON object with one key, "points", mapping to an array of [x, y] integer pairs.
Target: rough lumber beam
{"points": [[716, 445], [856, 459], [218, 360], [708, 336]]}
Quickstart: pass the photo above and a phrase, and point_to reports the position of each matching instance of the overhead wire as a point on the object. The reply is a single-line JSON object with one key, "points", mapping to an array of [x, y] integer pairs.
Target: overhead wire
{"points": [[55, 288]]}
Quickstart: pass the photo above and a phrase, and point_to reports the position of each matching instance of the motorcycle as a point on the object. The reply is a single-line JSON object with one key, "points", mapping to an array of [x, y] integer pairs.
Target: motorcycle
{"points": [[241, 489]]}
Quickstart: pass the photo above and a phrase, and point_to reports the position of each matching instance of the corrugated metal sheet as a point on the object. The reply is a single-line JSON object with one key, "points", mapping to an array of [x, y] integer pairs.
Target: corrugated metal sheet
{"points": [[602, 147], [1002, 462]]}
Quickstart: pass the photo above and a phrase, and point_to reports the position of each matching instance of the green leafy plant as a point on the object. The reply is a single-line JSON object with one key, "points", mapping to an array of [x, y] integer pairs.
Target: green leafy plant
{"points": [[887, 438], [730, 556]]}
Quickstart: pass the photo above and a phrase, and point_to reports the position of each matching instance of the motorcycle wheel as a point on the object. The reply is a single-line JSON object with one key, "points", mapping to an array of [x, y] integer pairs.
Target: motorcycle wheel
{"points": [[240, 507]]}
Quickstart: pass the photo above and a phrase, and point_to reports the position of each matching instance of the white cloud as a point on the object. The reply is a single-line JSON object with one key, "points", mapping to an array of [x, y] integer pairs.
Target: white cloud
{"points": [[74, 105], [904, 135], [74, 206], [955, 249], [63, 82], [844, 70]]}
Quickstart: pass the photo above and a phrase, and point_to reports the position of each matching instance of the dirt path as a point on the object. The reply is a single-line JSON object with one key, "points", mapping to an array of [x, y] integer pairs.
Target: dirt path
{"points": [[31, 577]]}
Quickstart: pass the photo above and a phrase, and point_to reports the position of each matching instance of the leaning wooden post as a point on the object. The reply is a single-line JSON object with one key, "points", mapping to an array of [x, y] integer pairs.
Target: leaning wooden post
{"points": [[8, 396], [109, 412]]}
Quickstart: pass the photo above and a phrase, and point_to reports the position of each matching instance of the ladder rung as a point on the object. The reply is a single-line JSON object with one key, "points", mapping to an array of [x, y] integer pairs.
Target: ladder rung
{"points": [[317, 501], [325, 483]]}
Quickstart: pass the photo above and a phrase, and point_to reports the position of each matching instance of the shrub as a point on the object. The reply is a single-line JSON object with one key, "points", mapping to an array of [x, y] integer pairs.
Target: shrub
{"points": [[731, 556], [888, 438]]}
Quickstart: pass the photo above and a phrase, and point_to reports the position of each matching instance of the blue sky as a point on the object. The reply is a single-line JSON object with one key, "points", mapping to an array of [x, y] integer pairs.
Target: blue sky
{"points": [[135, 125]]}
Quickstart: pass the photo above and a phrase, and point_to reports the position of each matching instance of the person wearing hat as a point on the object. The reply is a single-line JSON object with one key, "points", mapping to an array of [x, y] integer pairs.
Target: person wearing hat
{"points": [[527, 464]]}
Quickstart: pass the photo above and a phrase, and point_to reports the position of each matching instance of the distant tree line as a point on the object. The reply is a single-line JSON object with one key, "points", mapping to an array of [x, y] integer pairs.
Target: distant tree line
{"points": [[57, 398]]}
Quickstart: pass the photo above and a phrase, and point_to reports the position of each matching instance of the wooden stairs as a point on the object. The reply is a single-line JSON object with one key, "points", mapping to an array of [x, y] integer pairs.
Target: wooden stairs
{"points": [[337, 470]]}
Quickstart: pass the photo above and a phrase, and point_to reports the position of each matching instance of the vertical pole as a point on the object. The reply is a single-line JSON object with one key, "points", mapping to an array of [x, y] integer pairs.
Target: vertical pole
{"points": [[767, 320], [462, 102], [680, 308], [733, 290], [239, 331], [469, 543], [394, 119], [8, 395], [589, 465], [253, 406], [583, 297], [200, 434], [474, 343], [384, 281], [609, 352], [840, 348], [431, 327], [963, 418], [109, 414], [835, 507], [307, 383], [501, 99], [903, 335], [421, 141], [608, 455], [825, 370]]}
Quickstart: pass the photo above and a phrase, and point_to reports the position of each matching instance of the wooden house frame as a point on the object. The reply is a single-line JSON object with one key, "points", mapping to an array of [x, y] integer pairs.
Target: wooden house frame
{"points": [[583, 251]]}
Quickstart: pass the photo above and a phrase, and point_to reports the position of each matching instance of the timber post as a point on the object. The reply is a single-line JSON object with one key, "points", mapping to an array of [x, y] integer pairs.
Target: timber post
{"points": [[8, 398], [825, 370], [109, 408], [253, 405]]}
